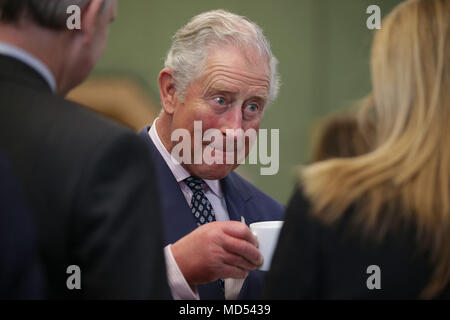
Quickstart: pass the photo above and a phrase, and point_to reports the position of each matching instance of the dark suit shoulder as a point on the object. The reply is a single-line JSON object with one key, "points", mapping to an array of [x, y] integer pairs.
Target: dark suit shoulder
{"points": [[52, 129], [84, 122], [249, 191], [90, 184], [41, 107]]}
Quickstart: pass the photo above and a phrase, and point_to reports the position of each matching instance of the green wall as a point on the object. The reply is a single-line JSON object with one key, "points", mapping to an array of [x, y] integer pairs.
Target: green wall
{"points": [[322, 45]]}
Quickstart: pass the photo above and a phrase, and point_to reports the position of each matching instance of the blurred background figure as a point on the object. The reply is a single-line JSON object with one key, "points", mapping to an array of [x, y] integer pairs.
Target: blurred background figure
{"points": [[387, 210], [341, 136], [88, 181], [119, 97], [20, 270]]}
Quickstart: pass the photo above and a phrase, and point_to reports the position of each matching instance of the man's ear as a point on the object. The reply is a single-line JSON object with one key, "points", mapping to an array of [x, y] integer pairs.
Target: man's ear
{"points": [[89, 18], [167, 90]]}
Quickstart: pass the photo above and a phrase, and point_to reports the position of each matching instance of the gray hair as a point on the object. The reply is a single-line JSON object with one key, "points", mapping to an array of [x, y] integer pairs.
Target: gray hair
{"points": [[189, 51], [47, 13]]}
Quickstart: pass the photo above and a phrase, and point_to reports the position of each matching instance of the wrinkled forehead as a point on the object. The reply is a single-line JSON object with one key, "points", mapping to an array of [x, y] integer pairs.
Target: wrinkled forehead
{"points": [[237, 66]]}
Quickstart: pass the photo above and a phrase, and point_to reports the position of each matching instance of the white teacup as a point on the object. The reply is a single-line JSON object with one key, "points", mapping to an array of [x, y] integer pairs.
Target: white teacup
{"points": [[267, 233]]}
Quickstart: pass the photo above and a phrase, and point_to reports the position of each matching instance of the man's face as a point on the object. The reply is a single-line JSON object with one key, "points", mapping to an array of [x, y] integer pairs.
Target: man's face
{"points": [[231, 94]]}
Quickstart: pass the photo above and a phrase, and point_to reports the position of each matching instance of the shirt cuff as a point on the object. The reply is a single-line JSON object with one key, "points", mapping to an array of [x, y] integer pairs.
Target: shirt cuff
{"points": [[179, 287]]}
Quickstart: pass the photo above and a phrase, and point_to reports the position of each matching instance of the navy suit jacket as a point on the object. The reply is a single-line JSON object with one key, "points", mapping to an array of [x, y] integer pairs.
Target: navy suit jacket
{"points": [[242, 199]]}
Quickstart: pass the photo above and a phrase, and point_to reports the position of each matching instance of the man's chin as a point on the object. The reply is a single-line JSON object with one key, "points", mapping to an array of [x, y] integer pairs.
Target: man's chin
{"points": [[211, 172]]}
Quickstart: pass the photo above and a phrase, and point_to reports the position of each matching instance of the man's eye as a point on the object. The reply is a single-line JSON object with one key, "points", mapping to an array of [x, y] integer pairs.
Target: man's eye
{"points": [[220, 100], [252, 107]]}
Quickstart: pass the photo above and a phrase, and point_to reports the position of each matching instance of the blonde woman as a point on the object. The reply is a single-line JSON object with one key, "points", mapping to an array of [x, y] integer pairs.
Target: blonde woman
{"points": [[378, 225]]}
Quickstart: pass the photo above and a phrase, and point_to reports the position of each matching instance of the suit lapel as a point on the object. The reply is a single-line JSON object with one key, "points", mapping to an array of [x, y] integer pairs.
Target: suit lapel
{"points": [[237, 196], [177, 216]]}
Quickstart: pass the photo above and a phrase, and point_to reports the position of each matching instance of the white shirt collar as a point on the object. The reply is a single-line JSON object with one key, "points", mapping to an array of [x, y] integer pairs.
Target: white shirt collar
{"points": [[178, 171], [9, 50]]}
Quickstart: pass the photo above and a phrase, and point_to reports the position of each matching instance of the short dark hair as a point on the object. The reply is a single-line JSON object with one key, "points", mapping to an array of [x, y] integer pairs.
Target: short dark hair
{"points": [[51, 14], [341, 136]]}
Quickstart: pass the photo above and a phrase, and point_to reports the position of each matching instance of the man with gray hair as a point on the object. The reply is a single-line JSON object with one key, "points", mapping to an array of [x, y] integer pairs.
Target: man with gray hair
{"points": [[219, 76], [88, 181]]}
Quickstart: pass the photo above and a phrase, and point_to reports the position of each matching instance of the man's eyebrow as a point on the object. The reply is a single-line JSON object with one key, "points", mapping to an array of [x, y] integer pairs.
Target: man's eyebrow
{"points": [[233, 90], [262, 97], [259, 94], [221, 88]]}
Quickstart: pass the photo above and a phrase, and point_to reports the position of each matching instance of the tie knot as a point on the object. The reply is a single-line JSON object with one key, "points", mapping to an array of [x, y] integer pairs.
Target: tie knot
{"points": [[195, 183]]}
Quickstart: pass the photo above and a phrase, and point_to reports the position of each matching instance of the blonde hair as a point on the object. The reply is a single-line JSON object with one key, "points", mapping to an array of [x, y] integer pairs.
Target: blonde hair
{"points": [[407, 175], [189, 50]]}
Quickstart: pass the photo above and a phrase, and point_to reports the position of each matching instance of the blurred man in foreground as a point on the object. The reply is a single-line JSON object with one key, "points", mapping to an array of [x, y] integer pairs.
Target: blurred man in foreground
{"points": [[87, 180]]}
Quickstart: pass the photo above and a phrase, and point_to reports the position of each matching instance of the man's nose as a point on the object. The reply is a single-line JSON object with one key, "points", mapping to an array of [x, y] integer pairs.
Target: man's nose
{"points": [[232, 120]]}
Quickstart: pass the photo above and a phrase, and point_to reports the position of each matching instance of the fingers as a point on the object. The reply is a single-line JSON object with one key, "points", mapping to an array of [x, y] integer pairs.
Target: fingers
{"points": [[239, 230], [240, 242], [217, 250], [238, 261]]}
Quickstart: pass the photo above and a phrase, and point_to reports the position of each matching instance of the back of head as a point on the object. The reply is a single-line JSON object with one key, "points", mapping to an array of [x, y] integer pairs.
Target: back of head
{"points": [[191, 45], [341, 136], [50, 14], [409, 167], [69, 52]]}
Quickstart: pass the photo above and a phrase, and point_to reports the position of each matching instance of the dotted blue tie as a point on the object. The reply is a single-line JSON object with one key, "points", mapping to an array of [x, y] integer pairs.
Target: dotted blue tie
{"points": [[200, 206]]}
